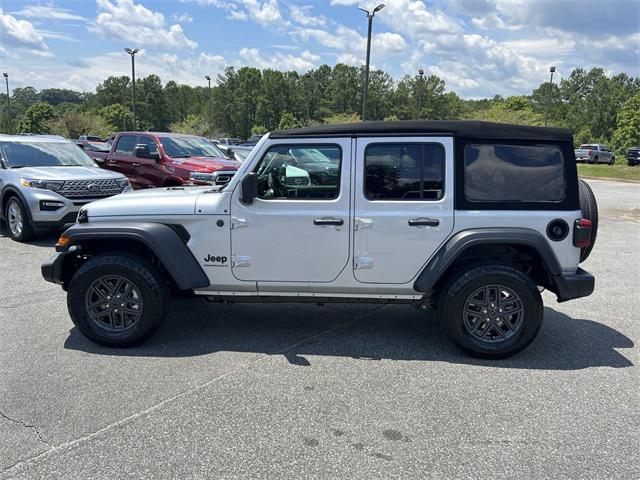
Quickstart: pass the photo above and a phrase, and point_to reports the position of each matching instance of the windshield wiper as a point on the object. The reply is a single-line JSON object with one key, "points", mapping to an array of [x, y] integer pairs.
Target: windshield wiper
{"points": [[17, 166]]}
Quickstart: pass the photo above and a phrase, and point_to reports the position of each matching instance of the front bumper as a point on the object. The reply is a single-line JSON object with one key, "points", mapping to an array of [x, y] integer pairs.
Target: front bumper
{"points": [[52, 267], [570, 286]]}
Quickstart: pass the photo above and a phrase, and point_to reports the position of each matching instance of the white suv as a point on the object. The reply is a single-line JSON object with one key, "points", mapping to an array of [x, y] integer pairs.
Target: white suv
{"points": [[471, 218]]}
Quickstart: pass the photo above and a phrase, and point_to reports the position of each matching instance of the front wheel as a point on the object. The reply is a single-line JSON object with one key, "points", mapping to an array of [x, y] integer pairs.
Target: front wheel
{"points": [[17, 219], [491, 311], [117, 300], [613, 161]]}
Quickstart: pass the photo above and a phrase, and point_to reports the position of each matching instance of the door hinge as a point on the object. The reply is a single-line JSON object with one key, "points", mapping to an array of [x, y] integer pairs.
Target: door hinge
{"points": [[239, 223], [362, 223], [240, 261], [363, 263]]}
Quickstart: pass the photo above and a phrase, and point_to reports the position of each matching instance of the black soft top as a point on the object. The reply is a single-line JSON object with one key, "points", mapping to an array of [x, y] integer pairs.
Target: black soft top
{"points": [[459, 128]]}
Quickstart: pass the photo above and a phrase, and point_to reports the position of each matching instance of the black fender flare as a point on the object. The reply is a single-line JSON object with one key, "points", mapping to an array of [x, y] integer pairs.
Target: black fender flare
{"points": [[466, 239], [167, 244]]}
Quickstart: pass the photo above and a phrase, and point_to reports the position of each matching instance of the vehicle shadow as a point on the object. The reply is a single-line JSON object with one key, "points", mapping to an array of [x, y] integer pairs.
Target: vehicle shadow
{"points": [[360, 331], [47, 239]]}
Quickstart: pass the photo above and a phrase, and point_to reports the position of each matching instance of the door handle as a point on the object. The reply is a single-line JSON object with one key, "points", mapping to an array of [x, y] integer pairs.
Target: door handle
{"points": [[328, 221], [424, 222]]}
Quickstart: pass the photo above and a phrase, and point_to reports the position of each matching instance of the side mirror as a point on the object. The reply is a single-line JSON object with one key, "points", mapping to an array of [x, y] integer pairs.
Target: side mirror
{"points": [[142, 151], [230, 153], [249, 188]]}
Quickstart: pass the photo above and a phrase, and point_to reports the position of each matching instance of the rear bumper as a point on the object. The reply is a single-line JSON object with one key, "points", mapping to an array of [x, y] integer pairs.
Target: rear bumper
{"points": [[579, 284]]}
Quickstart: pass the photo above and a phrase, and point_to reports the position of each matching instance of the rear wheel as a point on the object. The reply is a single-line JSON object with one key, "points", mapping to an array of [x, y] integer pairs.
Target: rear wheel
{"points": [[589, 209], [117, 300], [17, 220], [491, 311]]}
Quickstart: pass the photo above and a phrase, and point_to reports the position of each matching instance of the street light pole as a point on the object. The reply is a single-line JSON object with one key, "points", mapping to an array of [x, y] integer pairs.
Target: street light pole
{"points": [[420, 88], [365, 94], [6, 79], [546, 108], [132, 52], [209, 104]]}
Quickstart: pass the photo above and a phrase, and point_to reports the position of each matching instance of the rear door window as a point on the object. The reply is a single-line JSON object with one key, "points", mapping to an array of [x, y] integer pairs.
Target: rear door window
{"points": [[513, 173], [404, 171], [126, 144]]}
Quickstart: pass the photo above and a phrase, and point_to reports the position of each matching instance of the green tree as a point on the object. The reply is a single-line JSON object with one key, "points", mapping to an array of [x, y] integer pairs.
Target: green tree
{"points": [[192, 125], [288, 121], [259, 130], [117, 117], [151, 108], [36, 119], [627, 133], [72, 124]]}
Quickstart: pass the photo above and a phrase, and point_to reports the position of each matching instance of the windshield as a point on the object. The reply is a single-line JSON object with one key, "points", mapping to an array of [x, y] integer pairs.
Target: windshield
{"points": [[183, 147], [44, 154]]}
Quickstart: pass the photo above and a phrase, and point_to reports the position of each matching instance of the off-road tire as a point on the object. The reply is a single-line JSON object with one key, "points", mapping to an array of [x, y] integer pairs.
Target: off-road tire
{"points": [[456, 294], [589, 209], [26, 232], [152, 287]]}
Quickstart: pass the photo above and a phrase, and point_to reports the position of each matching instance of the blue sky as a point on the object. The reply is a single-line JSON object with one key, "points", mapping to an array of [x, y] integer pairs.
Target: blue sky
{"points": [[479, 47]]}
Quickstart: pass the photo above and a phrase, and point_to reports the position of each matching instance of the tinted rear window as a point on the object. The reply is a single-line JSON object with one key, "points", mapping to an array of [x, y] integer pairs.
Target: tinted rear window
{"points": [[513, 173], [404, 171]]}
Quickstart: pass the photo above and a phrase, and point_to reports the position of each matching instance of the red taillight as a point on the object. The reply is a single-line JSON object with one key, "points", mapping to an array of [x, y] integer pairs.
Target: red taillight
{"points": [[582, 233]]}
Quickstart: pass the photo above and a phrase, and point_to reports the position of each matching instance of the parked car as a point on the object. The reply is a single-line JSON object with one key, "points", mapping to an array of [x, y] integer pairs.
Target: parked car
{"points": [[225, 142], [96, 150], [44, 180], [633, 156], [168, 159], [239, 153], [90, 138], [470, 218], [251, 141], [594, 153]]}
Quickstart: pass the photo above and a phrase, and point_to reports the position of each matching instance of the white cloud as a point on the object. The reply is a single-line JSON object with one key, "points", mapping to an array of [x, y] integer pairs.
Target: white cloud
{"points": [[182, 18], [263, 12], [22, 34], [279, 61], [49, 12], [133, 22], [300, 14]]}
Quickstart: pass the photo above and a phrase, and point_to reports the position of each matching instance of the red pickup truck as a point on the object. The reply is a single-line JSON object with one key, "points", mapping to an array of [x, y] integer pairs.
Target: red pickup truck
{"points": [[167, 159]]}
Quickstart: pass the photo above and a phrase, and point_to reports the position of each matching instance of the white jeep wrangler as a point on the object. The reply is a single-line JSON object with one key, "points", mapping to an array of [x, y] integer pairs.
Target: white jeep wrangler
{"points": [[471, 218]]}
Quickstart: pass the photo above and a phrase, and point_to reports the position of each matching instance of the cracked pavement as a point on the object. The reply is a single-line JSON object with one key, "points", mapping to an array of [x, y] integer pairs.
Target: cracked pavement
{"points": [[346, 391]]}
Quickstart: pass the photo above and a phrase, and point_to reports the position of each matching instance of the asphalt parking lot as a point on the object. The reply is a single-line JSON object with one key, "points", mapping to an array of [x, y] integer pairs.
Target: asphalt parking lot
{"points": [[299, 391]]}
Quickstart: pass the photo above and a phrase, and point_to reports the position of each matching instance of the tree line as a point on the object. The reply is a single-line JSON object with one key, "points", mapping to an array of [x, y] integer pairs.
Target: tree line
{"points": [[245, 101]]}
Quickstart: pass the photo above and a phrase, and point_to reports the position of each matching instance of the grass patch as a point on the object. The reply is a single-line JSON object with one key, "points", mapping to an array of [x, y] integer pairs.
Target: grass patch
{"points": [[624, 172]]}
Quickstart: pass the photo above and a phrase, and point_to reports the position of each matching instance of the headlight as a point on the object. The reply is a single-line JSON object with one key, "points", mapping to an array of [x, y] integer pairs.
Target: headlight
{"points": [[46, 184], [124, 182], [83, 215]]}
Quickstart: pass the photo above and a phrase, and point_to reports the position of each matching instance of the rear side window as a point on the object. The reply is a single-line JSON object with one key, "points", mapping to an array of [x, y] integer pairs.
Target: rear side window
{"points": [[126, 144], [513, 173], [404, 171]]}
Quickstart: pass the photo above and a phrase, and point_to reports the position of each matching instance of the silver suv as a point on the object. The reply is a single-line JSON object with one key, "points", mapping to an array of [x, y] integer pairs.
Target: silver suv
{"points": [[44, 180]]}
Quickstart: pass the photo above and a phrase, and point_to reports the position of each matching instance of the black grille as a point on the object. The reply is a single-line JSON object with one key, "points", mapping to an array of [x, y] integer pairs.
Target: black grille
{"points": [[90, 188]]}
